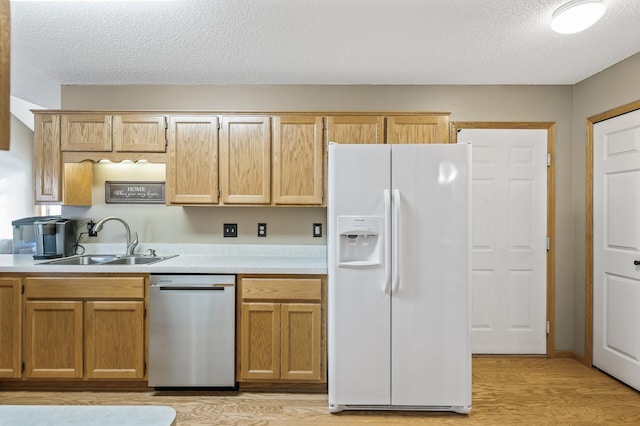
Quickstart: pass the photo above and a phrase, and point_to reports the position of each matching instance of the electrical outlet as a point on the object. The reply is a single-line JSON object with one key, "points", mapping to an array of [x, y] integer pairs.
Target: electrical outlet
{"points": [[90, 226], [262, 230], [230, 230], [317, 230]]}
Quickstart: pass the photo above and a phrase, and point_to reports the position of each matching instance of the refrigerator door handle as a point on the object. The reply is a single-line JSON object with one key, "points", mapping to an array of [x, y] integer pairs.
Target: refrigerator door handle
{"points": [[387, 239], [396, 240]]}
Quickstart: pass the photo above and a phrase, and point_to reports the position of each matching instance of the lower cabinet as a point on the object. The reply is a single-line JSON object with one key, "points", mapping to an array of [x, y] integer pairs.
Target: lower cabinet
{"points": [[84, 328], [300, 350], [53, 339], [282, 333], [114, 340], [10, 327]]}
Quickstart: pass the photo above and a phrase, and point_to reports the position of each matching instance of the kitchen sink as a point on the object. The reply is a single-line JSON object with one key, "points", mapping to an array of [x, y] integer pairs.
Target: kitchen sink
{"points": [[136, 260], [107, 259]]}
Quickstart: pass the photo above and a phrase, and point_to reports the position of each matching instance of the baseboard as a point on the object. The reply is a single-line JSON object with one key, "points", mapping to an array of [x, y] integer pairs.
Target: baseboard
{"points": [[74, 385], [283, 387], [555, 354], [569, 354]]}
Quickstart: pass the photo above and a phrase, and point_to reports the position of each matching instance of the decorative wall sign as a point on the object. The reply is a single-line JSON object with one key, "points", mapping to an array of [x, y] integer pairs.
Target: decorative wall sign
{"points": [[134, 192]]}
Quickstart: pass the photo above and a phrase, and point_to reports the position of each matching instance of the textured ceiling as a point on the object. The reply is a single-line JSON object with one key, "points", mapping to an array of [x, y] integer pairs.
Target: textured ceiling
{"points": [[307, 42]]}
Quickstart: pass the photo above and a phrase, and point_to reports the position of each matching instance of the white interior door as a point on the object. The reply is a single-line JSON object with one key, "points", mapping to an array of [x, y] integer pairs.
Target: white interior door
{"points": [[509, 240], [616, 247]]}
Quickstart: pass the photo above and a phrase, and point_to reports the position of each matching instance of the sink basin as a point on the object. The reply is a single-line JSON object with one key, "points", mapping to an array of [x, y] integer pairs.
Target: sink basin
{"points": [[82, 260], [136, 260], [107, 259]]}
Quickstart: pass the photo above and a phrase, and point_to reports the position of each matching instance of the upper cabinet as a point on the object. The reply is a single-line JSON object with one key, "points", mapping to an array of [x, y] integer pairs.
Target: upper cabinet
{"points": [[267, 159], [85, 132], [355, 129], [63, 142], [192, 163], [258, 164], [297, 160], [139, 133], [118, 133], [56, 182], [47, 164], [392, 129], [245, 160], [418, 129]]}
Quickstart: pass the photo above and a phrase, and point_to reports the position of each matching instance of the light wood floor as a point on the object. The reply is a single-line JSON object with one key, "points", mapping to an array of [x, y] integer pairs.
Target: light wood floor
{"points": [[506, 391]]}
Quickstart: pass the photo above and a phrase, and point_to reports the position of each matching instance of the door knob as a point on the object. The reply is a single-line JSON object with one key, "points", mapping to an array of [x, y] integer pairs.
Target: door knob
{"points": [[636, 262]]}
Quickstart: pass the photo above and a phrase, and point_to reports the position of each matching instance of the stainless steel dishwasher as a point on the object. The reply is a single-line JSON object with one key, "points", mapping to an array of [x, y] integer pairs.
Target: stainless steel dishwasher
{"points": [[192, 330]]}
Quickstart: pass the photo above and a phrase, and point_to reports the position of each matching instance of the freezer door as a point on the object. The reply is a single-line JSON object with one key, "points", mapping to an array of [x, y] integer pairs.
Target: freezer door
{"points": [[358, 307], [431, 358]]}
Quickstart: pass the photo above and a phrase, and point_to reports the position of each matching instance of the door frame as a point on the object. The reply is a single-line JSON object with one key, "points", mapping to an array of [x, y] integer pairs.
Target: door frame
{"points": [[588, 293], [551, 207]]}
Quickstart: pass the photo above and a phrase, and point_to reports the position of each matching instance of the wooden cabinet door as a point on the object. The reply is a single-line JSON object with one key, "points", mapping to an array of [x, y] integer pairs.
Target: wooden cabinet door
{"points": [[53, 339], [192, 163], [245, 160], [10, 328], [418, 129], [47, 162], [139, 133], [260, 341], [85, 132], [114, 340], [300, 352], [77, 183], [297, 160], [355, 129]]}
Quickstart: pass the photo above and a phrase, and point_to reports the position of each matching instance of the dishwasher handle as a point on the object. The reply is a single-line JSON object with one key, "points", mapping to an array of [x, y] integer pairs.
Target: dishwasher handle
{"points": [[190, 288]]}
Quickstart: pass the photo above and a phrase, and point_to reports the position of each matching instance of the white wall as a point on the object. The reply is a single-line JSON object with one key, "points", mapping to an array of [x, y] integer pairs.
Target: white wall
{"points": [[609, 89], [157, 223], [16, 178], [466, 103]]}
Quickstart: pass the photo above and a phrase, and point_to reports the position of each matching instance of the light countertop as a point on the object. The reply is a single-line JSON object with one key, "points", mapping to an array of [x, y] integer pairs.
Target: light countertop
{"points": [[80, 415], [192, 259]]}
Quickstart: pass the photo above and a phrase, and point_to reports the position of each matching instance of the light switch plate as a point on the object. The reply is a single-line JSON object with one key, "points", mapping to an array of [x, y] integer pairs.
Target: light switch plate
{"points": [[317, 230]]}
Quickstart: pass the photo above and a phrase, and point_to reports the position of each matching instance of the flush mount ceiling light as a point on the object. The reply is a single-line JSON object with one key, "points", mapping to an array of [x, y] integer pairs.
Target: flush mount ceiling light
{"points": [[577, 15]]}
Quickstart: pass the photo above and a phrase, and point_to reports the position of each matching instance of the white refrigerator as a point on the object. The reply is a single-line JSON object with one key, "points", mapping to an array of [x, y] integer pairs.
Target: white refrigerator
{"points": [[399, 277]]}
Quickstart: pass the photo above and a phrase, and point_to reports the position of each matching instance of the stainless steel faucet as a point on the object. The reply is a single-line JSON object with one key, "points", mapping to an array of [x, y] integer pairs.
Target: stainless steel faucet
{"points": [[131, 244]]}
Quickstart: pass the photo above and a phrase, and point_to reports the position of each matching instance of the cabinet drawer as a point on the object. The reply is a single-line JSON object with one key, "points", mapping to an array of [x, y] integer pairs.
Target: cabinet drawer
{"points": [[278, 288], [84, 287]]}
